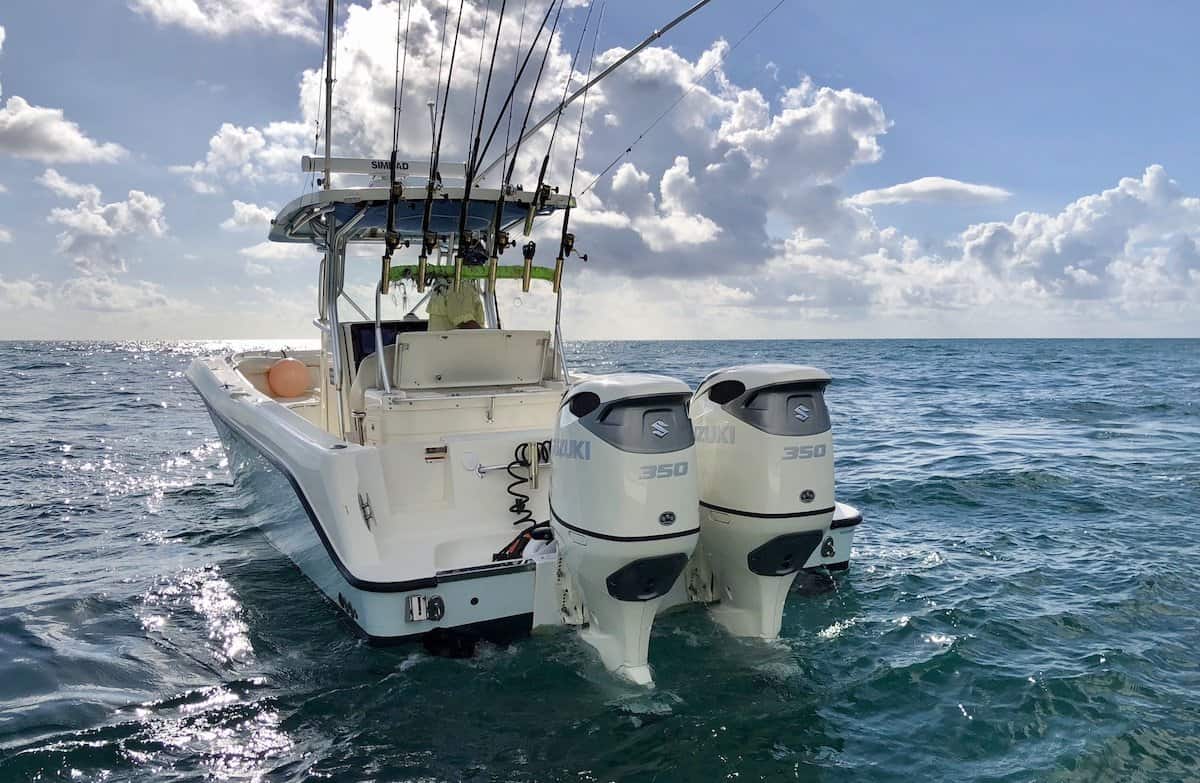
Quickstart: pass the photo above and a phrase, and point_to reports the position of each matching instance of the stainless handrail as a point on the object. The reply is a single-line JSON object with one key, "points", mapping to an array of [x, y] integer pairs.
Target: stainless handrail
{"points": [[380, 349], [335, 278]]}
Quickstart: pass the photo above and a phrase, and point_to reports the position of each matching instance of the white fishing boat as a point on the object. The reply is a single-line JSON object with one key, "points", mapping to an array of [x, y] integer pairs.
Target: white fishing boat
{"points": [[445, 482]]}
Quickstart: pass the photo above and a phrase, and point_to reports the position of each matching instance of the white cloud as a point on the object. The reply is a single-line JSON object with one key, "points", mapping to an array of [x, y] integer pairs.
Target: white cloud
{"points": [[1126, 255], [673, 223], [248, 217], [94, 237], [107, 295], [5, 235], [45, 135], [933, 189], [3, 189], [94, 294], [280, 251], [735, 199], [95, 233], [1109, 245], [61, 186], [217, 18], [24, 294], [249, 156]]}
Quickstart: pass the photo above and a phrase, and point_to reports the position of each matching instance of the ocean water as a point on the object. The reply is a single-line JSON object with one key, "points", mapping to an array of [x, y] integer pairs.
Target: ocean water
{"points": [[1023, 603]]}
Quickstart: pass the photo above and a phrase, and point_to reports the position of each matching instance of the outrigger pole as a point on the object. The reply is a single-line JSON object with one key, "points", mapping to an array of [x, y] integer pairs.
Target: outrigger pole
{"points": [[330, 12], [659, 33], [332, 269]]}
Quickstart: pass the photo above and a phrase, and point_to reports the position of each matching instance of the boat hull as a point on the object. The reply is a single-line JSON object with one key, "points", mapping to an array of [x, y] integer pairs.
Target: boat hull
{"points": [[296, 499], [307, 486]]}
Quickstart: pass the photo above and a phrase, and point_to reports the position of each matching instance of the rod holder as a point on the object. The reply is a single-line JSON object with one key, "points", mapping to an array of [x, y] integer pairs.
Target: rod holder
{"points": [[527, 229], [422, 267], [528, 251], [558, 273], [493, 270], [458, 265], [386, 274]]}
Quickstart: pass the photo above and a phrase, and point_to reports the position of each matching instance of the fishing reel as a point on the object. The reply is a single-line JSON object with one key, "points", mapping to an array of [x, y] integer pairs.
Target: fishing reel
{"points": [[429, 243], [565, 250], [568, 248], [392, 241], [537, 202], [471, 252], [471, 249]]}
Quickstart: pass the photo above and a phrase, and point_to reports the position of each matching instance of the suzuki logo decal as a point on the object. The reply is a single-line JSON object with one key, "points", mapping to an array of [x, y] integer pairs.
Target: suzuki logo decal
{"points": [[660, 429], [802, 413]]}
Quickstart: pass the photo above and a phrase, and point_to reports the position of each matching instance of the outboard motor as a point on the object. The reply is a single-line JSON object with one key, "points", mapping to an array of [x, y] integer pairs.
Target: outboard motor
{"points": [[623, 506], [765, 454]]}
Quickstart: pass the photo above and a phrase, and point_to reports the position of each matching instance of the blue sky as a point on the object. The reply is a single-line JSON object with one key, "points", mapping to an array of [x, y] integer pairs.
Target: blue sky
{"points": [[1045, 104]]}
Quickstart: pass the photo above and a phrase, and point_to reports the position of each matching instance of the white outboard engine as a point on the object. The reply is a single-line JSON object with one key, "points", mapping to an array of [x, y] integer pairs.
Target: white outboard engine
{"points": [[765, 454], [623, 506]]}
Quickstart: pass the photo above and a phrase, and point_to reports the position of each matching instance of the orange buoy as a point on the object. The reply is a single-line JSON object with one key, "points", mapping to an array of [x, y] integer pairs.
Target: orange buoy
{"points": [[288, 378]]}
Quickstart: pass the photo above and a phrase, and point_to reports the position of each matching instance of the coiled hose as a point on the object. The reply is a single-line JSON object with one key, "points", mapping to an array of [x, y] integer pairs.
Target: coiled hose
{"points": [[520, 504], [521, 460]]}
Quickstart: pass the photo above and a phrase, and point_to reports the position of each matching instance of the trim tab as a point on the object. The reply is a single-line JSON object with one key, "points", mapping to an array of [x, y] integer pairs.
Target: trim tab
{"points": [[844, 522]]}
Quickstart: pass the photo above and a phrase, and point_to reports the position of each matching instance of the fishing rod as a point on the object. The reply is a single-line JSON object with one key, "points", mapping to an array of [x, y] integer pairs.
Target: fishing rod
{"points": [[520, 44], [426, 244], [472, 162], [566, 244], [542, 192], [512, 165], [395, 190], [659, 33], [517, 80], [696, 83]]}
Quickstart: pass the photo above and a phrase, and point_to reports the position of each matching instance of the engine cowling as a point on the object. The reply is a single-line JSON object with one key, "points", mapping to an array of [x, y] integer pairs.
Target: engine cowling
{"points": [[623, 501], [764, 448]]}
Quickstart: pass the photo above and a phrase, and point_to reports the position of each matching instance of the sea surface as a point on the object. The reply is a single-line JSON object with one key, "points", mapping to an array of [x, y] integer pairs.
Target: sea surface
{"points": [[1023, 602]]}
